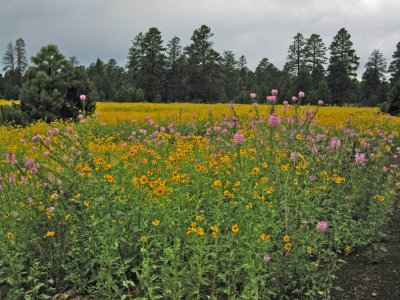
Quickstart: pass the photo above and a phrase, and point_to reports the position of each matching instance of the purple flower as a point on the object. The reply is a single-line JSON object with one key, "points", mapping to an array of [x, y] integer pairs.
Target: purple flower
{"points": [[322, 226], [360, 158], [271, 98], [274, 120], [10, 157], [285, 102], [294, 98], [294, 155], [37, 138], [238, 138], [334, 143]]}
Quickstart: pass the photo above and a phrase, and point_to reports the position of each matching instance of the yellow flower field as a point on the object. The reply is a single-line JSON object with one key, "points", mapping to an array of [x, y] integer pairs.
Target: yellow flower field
{"points": [[178, 201], [112, 112]]}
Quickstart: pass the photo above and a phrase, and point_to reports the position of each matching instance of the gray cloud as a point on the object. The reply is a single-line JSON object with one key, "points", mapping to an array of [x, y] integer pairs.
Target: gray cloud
{"points": [[90, 29]]}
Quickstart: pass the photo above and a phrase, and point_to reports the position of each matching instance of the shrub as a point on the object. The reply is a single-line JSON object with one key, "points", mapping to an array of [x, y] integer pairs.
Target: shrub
{"points": [[13, 115], [53, 86]]}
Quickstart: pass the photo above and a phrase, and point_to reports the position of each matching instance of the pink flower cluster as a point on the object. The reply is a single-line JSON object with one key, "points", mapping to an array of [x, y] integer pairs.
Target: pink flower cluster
{"points": [[238, 138], [322, 226], [274, 120]]}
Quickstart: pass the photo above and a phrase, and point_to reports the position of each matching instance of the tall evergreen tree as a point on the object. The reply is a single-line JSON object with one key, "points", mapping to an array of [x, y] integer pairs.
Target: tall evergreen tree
{"points": [[231, 75], [394, 68], [146, 63], [20, 56], [343, 64], [267, 76], [393, 104], [296, 58], [373, 88], [14, 63], [174, 80], [135, 58], [315, 58], [153, 65], [9, 59], [204, 73]]}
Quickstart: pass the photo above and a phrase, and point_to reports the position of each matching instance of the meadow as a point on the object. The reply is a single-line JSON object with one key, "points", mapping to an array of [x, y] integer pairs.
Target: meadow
{"points": [[193, 201]]}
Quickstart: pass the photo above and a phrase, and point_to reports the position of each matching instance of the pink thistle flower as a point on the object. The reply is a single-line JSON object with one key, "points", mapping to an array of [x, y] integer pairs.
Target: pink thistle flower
{"points": [[37, 138], [334, 143], [285, 102], [322, 226], [301, 94], [82, 97], [10, 157], [294, 155], [360, 158], [294, 98], [238, 138], [253, 95], [274, 92], [320, 102], [274, 120]]}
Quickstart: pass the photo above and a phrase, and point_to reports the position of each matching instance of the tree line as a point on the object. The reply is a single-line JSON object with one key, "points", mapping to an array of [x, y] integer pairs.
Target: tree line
{"points": [[196, 72]]}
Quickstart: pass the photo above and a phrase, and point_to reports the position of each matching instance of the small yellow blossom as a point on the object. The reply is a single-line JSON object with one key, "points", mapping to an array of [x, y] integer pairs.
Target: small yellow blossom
{"points": [[50, 234], [235, 228]]}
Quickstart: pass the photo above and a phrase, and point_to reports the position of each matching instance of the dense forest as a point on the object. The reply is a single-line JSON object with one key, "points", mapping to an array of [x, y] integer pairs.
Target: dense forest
{"points": [[170, 72]]}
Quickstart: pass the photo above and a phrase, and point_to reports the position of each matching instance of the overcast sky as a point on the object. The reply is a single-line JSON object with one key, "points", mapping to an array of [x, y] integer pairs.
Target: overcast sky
{"points": [[91, 29]]}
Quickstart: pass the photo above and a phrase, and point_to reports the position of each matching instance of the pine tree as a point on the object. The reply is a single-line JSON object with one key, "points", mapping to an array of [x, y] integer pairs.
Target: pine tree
{"points": [[394, 68], [135, 58], [20, 55], [231, 75], [373, 89], [343, 64], [315, 58], [146, 63], [267, 77], [9, 59], [203, 66], [174, 80], [153, 65], [53, 86], [296, 58], [393, 104]]}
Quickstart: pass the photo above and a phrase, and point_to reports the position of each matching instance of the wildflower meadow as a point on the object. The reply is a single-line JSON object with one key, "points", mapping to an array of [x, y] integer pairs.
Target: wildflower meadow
{"points": [[185, 201]]}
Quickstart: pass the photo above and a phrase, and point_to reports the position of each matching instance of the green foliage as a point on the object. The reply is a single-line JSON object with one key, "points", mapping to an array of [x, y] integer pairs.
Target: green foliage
{"points": [[146, 63], [267, 77], [91, 224], [128, 93], [175, 88], [53, 87], [343, 64], [13, 115], [296, 58], [392, 106], [394, 67], [373, 88], [203, 65]]}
